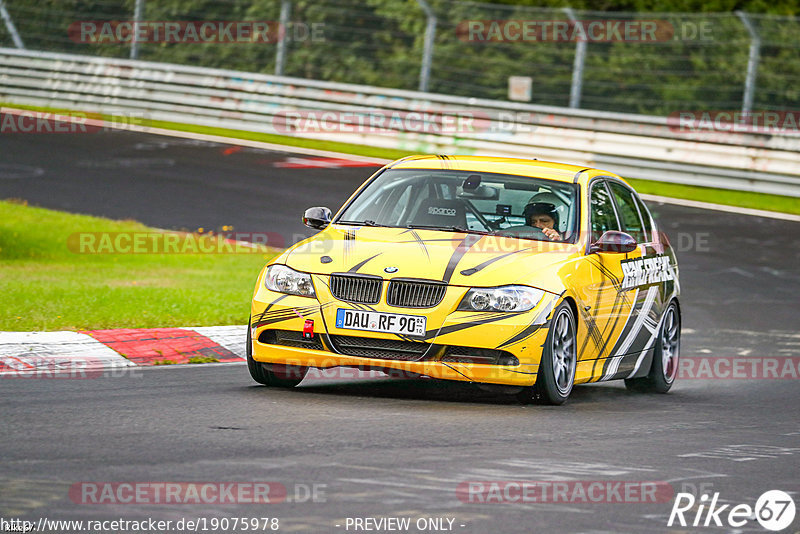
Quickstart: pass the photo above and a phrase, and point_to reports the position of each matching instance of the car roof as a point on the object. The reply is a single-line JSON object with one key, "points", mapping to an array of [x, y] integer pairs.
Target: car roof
{"points": [[533, 168]]}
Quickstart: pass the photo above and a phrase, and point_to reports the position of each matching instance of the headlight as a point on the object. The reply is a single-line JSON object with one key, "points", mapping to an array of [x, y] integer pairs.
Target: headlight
{"points": [[282, 279], [503, 299]]}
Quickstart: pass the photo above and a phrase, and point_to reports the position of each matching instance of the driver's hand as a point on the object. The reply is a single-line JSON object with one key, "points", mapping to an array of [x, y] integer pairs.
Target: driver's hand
{"points": [[551, 234]]}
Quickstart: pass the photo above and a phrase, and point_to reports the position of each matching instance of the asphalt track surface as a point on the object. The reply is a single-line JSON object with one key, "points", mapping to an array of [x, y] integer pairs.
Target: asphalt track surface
{"points": [[389, 447]]}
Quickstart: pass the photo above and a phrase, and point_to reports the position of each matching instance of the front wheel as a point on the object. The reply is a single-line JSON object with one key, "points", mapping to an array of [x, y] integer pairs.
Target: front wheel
{"points": [[275, 375], [559, 359], [665, 356]]}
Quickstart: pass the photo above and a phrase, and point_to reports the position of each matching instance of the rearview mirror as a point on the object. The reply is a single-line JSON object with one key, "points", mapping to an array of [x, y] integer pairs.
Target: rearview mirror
{"points": [[614, 241], [317, 218], [479, 192]]}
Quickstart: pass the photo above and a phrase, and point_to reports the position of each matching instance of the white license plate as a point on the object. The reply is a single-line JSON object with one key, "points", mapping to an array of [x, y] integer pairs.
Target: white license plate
{"points": [[392, 323]]}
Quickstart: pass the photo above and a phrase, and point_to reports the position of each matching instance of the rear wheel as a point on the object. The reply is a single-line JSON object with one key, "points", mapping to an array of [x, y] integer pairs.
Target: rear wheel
{"points": [[275, 375], [664, 368], [559, 359]]}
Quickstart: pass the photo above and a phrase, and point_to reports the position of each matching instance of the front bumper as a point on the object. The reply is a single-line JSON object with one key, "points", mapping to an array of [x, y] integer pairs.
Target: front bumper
{"points": [[277, 321]]}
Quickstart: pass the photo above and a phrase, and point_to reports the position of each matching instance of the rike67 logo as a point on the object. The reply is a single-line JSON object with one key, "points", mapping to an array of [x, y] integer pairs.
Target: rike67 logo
{"points": [[774, 510]]}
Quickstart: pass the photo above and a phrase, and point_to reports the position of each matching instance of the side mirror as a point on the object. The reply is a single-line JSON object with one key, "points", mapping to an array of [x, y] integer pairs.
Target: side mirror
{"points": [[613, 241], [317, 218]]}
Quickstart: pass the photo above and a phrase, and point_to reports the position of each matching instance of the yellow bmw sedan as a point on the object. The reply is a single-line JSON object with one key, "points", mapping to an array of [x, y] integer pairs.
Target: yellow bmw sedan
{"points": [[488, 270]]}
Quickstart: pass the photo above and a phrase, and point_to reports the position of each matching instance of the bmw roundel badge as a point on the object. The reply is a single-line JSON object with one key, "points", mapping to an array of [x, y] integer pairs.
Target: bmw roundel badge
{"points": [[390, 270]]}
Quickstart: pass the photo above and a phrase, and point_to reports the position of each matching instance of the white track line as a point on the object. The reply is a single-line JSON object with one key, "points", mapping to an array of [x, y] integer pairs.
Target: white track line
{"points": [[723, 207]]}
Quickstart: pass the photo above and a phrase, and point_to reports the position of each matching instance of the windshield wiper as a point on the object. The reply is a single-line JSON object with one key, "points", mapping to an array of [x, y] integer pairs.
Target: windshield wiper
{"points": [[446, 228], [368, 222]]}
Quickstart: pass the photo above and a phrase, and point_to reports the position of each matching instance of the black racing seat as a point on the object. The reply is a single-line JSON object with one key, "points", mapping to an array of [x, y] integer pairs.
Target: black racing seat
{"points": [[441, 212]]}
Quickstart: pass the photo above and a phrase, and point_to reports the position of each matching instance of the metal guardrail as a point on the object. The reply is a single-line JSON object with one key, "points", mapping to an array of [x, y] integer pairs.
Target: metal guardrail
{"points": [[635, 146]]}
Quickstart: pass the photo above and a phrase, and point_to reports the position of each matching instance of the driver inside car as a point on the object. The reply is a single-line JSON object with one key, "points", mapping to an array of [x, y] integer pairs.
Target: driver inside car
{"points": [[544, 216]]}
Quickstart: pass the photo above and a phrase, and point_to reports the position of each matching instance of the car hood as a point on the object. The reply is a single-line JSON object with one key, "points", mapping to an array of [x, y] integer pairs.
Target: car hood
{"points": [[453, 257]]}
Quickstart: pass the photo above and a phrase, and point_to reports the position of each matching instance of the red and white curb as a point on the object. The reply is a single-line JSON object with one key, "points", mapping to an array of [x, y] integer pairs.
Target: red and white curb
{"points": [[319, 162], [34, 353], [95, 353]]}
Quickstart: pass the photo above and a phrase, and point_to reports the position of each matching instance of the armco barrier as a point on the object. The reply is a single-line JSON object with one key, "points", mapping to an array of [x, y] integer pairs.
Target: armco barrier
{"points": [[635, 146]]}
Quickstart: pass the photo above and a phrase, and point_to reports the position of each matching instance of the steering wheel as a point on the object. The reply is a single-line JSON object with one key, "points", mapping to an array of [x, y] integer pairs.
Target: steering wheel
{"points": [[524, 231]]}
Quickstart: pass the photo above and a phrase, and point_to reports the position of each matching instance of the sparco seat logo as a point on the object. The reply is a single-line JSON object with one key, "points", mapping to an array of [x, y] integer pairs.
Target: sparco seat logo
{"points": [[450, 212]]}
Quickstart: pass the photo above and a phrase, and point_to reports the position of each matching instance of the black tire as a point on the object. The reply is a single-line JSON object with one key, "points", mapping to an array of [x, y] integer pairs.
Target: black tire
{"points": [[274, 375], [556, 376], [666, 356]]}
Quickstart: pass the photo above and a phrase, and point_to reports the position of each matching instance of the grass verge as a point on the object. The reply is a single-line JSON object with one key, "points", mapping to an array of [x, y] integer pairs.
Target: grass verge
{"points": [[778, 203], [742, 199], [47, 284]]}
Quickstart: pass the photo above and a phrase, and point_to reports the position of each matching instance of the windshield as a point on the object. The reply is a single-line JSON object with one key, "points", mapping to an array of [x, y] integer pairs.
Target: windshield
{"points": [[468, 201]]}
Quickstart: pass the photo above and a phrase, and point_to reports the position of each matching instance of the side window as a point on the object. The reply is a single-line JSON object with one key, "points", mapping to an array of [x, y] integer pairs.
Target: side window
{"points": [[645, 213], [603, 216], [628, 212]]}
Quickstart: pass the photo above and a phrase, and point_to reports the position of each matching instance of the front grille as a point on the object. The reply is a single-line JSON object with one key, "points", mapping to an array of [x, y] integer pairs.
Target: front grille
{"points": [[415, 294], [381, 349], [356, 288], [290, 338], [390, 349], [456, 354]]}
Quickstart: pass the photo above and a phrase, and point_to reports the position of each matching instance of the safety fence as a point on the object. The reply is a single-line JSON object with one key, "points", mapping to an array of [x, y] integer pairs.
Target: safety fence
{"points": [[640, 62], [680, 149]]}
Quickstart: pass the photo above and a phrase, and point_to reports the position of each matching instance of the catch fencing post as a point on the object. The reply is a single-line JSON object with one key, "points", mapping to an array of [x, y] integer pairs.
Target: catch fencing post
{"points": [[138, 13], [752, 63], [427, 52], [577, 65], [283, 25], [12, 30]]}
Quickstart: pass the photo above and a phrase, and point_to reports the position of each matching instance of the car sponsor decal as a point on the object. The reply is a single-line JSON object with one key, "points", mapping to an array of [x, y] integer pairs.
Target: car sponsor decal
{"points": [[462, 248], [480, 267], [654, 330], [449, 329], [274, 302], [285, 314], [539, 322], [626, 337], [356, 267], [608, 273], [349, 243], [620, 300], [642, 272], [612, 364], [418, 240], [448, 212], [445, 162], [601, 338]]}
